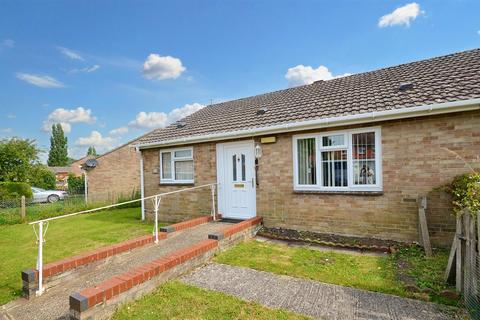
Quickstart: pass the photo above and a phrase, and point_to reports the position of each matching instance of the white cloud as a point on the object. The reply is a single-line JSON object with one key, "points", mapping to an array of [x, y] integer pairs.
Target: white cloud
{"points": [[68, 116], [11, 116], [70, 53], [301, 75], [161, 68], [86, 69], [478, 32], [7, 130], [101, 144], [150, 120], [40, 81], [401, 16], [7, 43], [118, 131]]}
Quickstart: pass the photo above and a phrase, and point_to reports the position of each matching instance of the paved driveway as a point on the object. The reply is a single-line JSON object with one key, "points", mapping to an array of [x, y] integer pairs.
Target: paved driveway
{"points": [[311, 298]]}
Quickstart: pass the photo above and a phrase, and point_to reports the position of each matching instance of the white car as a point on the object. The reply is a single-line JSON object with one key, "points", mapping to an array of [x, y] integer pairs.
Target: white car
{"points": [[51, 196]]}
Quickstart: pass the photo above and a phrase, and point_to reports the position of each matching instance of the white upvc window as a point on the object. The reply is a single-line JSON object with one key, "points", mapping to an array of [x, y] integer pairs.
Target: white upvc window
{"points": [[338, 160], [176, 165]]}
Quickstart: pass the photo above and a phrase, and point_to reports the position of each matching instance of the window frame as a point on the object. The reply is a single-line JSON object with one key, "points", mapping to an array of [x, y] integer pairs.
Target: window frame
{"points": [[173, 159], [377, 187]]}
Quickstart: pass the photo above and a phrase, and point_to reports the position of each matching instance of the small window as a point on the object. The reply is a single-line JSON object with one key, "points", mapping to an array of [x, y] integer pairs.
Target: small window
{"points": [[176, 166], [333, 140], [166, 165], [306, 161]]}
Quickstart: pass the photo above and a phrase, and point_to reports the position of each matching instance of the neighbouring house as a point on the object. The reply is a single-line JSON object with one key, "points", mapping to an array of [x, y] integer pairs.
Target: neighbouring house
{"points": [[117, 174], [76, 166], [61, 176], [349, 156]]}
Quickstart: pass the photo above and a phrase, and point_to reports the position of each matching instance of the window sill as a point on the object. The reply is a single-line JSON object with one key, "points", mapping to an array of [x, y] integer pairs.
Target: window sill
{"points": [[344, 193], [177, 183]]}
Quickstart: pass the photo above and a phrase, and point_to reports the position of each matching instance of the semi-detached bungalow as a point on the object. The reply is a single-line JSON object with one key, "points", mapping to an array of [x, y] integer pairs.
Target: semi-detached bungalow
{"points": [[348, 156]]}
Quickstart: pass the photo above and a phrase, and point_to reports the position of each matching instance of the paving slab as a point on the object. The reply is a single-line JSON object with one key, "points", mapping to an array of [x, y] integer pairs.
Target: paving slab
{"points": [[312, 298], [54, 304]]}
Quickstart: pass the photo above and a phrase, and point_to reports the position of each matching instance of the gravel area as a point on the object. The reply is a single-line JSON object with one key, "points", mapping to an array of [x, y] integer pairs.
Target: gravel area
{"points": [[311, 298], [54, 303]]}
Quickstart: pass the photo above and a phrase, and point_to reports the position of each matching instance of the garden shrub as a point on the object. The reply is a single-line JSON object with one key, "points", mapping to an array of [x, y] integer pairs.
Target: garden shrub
{"points": [[76, 184], [465, 191], [41, 177], [12, 190]]}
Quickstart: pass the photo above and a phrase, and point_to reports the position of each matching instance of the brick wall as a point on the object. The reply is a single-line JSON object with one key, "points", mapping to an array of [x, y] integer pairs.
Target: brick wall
{"points": [[177, 207], [117, 173], [415, 162]]}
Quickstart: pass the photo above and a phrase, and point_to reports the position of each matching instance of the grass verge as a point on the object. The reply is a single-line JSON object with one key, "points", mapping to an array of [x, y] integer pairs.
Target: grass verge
{"points": [[64, 238], [175, 300], [373, 273]]}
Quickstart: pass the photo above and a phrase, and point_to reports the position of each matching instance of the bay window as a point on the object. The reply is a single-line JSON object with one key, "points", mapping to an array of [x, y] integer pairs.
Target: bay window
{"points": [[176, 165], [338, 161]]}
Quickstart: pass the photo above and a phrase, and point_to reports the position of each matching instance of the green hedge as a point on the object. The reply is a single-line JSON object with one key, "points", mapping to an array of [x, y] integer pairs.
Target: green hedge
{"points": [[11, 190]]}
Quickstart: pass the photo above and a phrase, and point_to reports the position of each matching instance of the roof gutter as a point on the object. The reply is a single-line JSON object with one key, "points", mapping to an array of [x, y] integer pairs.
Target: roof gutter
{"points": [[420, 111]]}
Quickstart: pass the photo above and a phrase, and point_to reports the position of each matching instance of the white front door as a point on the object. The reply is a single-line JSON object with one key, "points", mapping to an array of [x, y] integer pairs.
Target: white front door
{"points": [[236, 177]]}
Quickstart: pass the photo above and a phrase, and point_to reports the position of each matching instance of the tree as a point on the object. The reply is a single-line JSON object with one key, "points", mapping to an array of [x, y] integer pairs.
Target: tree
{"points": [[58, 155], [17, 156], [91, 151], [19, 163], [39, 176]]}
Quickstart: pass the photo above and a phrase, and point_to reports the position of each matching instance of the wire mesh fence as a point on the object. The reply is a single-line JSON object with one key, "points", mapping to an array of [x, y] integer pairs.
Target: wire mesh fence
{"points": [[471, 290], [13, 211], [469, 252]]}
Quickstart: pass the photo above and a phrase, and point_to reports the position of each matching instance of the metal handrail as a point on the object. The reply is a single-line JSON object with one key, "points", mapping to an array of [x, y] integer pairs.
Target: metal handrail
{"points": [[156, 202], [121, 203]]}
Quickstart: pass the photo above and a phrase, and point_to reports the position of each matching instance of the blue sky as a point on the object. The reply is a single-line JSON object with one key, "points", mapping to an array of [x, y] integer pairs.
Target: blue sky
{"points": [[111, 70]]}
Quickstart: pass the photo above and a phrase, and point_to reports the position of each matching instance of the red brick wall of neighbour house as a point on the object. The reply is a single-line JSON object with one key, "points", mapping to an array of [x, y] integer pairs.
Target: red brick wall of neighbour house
{"points": [[188, 204], [415, 162], [117, 173]]}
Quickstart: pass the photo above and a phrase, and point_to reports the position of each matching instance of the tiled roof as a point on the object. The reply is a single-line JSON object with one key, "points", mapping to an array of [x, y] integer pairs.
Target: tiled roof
{"points": [[60, 169], [448, 78]]}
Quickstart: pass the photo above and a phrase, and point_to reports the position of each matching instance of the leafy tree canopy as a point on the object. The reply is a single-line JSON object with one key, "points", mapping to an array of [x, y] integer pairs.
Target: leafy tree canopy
{"points": [[17, 156]]}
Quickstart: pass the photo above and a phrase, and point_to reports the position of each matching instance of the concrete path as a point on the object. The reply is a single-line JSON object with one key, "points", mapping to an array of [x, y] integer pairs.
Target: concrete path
{"points": [[311, 298], [54, 303]]}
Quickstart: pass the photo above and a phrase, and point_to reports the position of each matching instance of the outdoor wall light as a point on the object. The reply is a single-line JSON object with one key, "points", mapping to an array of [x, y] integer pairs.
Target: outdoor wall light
{"points": [[258, 151]]}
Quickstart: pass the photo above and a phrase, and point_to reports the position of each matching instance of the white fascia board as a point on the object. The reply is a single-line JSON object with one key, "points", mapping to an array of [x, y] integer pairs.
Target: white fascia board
{"points": [[369, 117]]}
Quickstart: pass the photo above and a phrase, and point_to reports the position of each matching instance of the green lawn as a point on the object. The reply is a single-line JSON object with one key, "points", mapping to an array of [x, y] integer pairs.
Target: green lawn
{"points": [[374, 273], [65, 237], [175, 300]]}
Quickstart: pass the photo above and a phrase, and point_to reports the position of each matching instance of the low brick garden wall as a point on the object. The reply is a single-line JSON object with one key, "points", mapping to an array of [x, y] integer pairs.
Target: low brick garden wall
{"points": [[101, 301], [55, 271]]}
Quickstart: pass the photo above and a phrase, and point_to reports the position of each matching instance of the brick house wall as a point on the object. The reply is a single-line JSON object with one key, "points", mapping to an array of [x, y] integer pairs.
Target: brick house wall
{"points": [[177, 207], [415, 162], [117, 173]]}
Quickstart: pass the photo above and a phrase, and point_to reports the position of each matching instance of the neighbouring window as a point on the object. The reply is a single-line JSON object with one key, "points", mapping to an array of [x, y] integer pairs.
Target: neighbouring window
{"points": [[176, 165], [338, 161]]}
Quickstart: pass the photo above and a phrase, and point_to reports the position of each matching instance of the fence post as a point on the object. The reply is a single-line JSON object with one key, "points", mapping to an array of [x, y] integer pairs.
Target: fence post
{"points": [[22, 207], [467, 271], [422, 219], [460, 254]]}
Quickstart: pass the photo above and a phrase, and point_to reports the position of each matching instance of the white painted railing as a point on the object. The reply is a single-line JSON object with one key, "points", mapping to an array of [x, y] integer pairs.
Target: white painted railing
{"points": [[156, 199]]}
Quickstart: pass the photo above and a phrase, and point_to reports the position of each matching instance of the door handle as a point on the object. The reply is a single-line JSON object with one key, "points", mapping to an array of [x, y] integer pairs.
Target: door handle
{"points": [[253, 183]]}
